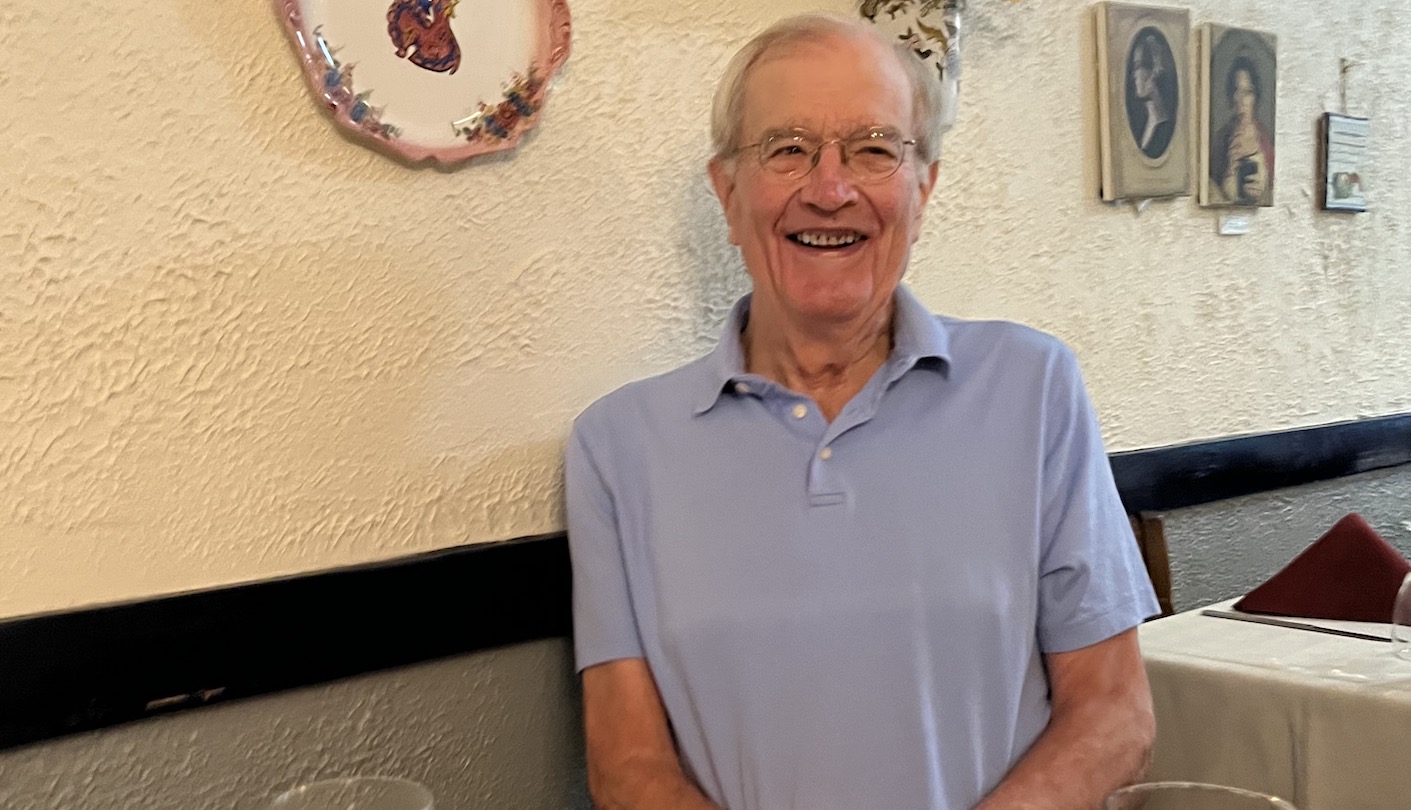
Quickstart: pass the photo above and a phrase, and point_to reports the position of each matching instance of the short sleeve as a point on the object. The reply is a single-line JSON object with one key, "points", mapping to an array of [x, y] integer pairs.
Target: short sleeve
{"points": [[1092, 582], [604, 625]]}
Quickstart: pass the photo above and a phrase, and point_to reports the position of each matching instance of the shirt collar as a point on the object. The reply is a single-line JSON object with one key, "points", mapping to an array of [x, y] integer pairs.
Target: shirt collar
{"points": [[917, 335]]}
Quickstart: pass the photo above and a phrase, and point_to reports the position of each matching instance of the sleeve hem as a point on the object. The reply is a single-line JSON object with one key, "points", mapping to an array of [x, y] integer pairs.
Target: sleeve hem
{"points": [[1086, 634], [584, 660]]}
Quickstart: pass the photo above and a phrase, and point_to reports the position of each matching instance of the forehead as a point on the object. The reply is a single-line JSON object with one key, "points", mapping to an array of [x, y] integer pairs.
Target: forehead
{"points": [[831, 86]]}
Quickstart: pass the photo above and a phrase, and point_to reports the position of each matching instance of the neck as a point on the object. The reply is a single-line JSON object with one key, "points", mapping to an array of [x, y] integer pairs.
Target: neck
{"points": [[829, 363]]}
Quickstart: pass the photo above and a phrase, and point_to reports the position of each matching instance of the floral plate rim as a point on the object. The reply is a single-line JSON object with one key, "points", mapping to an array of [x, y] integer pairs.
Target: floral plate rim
{"points": [[492, 128]]}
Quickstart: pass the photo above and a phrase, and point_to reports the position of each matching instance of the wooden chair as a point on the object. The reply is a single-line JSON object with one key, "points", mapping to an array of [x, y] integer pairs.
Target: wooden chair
{"points": [[1151, 539]]}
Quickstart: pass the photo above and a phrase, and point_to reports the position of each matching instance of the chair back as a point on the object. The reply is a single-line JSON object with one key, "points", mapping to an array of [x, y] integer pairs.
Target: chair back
{"points": [[1151, 539]]}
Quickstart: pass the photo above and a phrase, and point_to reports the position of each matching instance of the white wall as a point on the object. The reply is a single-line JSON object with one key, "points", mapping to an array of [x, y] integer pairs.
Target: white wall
{"points": [[235, 345]]}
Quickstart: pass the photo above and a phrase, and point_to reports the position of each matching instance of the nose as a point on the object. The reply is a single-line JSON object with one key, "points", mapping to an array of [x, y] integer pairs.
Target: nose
{"points": [[829, 186]]}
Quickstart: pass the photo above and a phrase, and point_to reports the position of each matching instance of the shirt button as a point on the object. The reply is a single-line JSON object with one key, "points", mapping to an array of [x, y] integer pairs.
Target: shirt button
{"points": [[826, 454], [742, 388], [800, 411]]}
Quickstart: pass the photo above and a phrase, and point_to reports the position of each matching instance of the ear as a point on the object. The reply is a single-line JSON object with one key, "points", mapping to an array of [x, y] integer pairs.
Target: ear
{"points": [[925, 181], [722, 178]]}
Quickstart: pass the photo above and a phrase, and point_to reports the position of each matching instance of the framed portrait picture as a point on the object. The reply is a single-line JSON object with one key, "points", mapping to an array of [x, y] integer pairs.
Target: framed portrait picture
{"points": [[1345, 142], [1143, 99], [1238, 83]]}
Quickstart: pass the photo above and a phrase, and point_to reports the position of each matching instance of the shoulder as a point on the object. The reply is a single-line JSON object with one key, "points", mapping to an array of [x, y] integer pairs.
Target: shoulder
{"points": [[1002, 341], [1010, 361], [624, 410]]}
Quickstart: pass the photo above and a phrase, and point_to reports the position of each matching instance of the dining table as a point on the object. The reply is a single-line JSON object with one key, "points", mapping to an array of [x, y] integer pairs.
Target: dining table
{"points": [[1321, 719]]}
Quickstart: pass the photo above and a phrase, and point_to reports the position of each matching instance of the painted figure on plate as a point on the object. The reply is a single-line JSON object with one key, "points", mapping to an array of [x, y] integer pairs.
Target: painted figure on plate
{"points": [[422, 28]]}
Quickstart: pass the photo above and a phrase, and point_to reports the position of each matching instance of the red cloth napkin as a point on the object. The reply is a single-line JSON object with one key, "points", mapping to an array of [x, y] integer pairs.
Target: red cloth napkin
{"points": [[1350, 573]]}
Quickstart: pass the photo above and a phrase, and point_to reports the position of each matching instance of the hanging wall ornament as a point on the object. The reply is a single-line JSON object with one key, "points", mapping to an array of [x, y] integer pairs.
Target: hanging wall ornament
{"points": [[430, 80], [932, 30]]}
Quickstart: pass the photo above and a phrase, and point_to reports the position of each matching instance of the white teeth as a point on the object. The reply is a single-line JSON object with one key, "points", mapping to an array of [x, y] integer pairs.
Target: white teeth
{"points": [[814, 239]]}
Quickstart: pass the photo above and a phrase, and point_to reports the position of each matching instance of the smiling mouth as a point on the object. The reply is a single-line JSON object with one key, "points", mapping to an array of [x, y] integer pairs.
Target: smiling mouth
{"points": [[827, 240]]}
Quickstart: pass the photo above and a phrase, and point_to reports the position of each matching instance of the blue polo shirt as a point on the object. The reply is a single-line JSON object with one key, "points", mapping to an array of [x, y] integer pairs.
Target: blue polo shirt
{"points": [[852, 615]]}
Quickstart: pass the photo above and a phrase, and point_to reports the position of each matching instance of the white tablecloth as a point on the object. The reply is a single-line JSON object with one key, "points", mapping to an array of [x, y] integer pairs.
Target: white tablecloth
{"points": [[1320, 720]]}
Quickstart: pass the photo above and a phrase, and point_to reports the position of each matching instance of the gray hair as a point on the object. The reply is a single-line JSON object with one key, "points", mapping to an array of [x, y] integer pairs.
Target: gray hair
{"points": [[728, 111]]}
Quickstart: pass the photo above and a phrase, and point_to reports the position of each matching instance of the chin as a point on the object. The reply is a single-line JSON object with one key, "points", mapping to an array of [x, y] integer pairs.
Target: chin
{"points": [[838, 300], [832, 308]]}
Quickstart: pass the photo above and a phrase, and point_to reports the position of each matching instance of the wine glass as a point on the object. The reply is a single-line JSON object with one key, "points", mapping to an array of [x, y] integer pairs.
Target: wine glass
{"points": [[356, 793], [1401, 621], [1191, 796]]}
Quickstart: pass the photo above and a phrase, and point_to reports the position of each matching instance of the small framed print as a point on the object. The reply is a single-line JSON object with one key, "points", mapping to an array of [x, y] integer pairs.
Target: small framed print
{"points": [[1344, 140], [1143, 134], [1238, 74]]}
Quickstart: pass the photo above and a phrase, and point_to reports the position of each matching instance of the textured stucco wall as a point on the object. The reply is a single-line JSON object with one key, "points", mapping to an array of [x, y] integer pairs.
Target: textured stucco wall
{"points": [[234, 345], [495, 730]]}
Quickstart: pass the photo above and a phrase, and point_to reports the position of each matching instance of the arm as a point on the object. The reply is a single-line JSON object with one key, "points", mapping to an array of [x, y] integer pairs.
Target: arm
{"points": [[1098, 738], [632, 760]]}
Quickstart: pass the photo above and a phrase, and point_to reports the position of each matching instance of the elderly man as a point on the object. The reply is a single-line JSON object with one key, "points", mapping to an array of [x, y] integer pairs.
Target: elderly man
{"points": [[859, 557]]}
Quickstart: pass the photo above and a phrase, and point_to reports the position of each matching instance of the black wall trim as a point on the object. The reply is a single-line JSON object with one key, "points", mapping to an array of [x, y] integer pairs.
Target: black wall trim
{"points": [[1199, 472], [86, 669]]}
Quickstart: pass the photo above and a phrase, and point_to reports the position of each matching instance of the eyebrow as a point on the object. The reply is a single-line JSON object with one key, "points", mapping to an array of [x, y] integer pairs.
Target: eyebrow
{"points": [[859, 132]]}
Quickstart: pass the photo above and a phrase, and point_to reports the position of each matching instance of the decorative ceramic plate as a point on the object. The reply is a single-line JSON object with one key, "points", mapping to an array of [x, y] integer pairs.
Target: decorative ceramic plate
{"points": [[431, 79], [932, 30]]}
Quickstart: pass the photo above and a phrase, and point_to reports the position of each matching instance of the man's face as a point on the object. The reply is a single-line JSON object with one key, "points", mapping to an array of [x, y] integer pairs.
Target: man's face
{"points": [[826, 247]]}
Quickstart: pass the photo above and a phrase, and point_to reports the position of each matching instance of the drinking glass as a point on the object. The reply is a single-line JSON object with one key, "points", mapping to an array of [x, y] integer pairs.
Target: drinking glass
{"points": [[1191, 796], [1401, 621], [356, 793]]}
